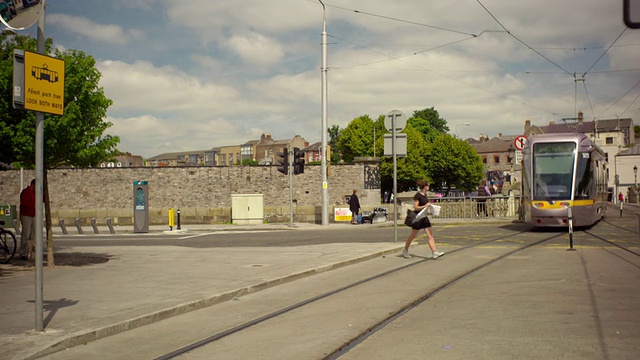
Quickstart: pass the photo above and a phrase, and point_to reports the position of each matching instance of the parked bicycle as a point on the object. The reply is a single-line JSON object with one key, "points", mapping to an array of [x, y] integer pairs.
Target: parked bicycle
{"points": [[8, 244]]}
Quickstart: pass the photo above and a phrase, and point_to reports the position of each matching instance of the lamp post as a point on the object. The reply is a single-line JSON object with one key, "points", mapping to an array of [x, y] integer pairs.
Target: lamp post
{"points": [[455, 132], [635, 176]]}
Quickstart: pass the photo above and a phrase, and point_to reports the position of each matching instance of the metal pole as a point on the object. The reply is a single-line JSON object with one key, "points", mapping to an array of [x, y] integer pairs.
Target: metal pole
{"points": [[395, 178], [323, 167], [290, 165], [570, 220], [39, 191]]}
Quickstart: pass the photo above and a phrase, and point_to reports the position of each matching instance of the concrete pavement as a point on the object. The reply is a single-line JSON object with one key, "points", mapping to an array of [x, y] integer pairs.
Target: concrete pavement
{"points": [[139, 285]]}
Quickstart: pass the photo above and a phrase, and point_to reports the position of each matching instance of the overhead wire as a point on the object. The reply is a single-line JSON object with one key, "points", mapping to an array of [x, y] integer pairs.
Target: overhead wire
{"points": [[522, 42], [471, 36], [614, 41]]}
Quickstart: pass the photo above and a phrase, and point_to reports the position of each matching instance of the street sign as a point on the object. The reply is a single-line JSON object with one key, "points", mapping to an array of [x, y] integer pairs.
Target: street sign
{"points": [[401, 145], [399, 118], [520, 142], [43, 83]]}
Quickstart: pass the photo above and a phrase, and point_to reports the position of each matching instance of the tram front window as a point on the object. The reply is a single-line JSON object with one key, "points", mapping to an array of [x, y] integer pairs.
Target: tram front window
{"points": [[553, 171], [583, 180]]}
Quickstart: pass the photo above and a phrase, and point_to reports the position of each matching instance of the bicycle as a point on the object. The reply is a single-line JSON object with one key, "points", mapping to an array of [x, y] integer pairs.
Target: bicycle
{"points": [[8, 244]]}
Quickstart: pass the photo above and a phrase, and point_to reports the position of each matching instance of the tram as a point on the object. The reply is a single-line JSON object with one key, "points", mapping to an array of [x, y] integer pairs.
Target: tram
{"points": [[562, 171]]}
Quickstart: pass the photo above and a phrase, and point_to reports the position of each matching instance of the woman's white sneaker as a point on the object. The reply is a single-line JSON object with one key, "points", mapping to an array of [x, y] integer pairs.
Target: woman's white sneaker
{"points": [[437, 254], [405, 254]]}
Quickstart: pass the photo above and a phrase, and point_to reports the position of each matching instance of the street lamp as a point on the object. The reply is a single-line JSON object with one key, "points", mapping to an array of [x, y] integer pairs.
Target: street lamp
{"points": [[455, 133]]}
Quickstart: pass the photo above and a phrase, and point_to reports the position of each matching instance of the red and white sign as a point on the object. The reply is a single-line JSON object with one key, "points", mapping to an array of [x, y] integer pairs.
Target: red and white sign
{"points": [[520, 142]]}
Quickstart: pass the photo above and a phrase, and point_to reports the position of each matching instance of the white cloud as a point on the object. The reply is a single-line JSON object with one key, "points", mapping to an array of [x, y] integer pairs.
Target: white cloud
{"points": [[212, 73], [83, 27]]}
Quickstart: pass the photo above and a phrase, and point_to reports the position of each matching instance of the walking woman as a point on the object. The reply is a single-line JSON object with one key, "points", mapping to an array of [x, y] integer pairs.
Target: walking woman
{"points": [[420, 201]]}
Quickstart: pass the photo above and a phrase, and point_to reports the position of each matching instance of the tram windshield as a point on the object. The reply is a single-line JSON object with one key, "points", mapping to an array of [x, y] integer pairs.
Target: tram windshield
{"points": [[553, 170]]}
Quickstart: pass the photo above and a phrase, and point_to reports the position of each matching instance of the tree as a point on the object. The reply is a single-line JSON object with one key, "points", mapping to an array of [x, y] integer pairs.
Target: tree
{"points": [[73, 139], [356, 139], [334, 136], [453, 163], [428, 122]]}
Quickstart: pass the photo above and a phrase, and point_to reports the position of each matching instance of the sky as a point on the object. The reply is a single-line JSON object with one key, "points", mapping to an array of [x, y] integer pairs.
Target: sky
{"points": [[194, 74]]}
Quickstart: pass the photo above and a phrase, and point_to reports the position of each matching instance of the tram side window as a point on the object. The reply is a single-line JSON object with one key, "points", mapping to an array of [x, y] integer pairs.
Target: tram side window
{"points": [[584, 179]]}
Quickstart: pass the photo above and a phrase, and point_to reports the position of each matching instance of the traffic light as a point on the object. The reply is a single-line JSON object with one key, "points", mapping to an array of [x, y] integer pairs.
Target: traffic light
{"points": [[283, 162], [298, 161]]}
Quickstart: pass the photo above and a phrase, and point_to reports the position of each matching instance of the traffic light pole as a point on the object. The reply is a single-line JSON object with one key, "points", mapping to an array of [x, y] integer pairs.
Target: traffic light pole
{"points": [[290, 187]]}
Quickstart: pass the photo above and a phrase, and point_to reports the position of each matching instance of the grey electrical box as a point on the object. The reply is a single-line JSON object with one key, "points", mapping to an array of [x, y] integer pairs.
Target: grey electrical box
{"points": [[247, 209], [140, 206], [18, 79]]}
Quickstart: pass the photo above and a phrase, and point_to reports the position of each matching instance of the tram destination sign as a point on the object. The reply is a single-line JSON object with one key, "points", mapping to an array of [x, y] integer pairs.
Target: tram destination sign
{"points": [[43, 86]]}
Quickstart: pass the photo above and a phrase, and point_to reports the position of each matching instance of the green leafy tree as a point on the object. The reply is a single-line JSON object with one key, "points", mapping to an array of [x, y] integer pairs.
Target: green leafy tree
{"points": [[452, 163], [334, 136], [73, 139], [428, 122], [356, 139]]}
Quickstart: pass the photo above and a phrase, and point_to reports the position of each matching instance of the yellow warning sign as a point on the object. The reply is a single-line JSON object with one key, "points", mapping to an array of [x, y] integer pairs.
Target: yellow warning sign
{"points": [[43, 83]]}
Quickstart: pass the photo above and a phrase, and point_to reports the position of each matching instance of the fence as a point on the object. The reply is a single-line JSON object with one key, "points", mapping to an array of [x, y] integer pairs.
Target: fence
{"points": [[497, 207]]}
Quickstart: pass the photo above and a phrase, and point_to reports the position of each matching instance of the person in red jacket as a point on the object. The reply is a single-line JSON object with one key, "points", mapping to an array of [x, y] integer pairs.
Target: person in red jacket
{"points": [[27, 218]]}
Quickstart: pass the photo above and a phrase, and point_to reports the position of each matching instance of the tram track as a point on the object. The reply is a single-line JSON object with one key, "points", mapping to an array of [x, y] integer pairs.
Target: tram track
{"points": [[239, 329]]}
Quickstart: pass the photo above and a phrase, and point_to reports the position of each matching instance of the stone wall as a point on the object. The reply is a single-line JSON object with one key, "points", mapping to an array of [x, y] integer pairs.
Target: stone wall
{"points": [[203, 194]]}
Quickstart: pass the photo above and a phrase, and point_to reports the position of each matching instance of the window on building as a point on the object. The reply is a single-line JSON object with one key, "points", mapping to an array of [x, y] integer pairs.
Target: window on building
{"points": [[484, 159], [223, 159], [609, 140], [496, 159]]}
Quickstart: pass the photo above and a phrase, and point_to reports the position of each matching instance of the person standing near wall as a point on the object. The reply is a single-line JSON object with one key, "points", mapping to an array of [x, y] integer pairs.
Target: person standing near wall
{"points": [[420, 201], [481, 201], [27, 218], [354, 206]]}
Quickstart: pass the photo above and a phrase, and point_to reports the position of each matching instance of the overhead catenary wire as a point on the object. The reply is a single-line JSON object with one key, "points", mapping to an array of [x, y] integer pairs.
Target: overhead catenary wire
{"points": [[522, 42], [614, 41], [471, 36]]}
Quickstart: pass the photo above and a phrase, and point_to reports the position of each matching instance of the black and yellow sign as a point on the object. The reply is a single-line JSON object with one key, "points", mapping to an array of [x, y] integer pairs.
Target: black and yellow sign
{"points": [[43, 83]]}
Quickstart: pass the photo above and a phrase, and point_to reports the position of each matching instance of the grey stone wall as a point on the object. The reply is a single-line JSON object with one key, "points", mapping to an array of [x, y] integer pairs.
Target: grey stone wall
{"points": [[203, 194]]}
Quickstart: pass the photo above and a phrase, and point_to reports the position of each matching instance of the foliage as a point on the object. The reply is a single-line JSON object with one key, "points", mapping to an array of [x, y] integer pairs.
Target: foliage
{"points": [[248, 162], [334, 136], [453, 163], [73, 139], [356, 139], [428, 122]]}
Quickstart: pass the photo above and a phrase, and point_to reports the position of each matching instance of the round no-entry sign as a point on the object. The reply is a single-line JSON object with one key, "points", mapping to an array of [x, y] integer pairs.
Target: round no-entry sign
{"points": [[520, 142]]}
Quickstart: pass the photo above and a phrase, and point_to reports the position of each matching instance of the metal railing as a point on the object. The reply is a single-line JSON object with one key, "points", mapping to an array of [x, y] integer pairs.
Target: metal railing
{"points": [[494, 207]]}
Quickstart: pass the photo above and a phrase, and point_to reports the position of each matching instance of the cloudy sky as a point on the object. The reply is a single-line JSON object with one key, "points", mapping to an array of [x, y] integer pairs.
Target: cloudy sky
{"points": [[196, 74]]}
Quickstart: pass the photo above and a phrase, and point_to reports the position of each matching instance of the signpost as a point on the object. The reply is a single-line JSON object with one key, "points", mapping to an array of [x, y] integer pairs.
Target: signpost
{"points": [[394, 122]]}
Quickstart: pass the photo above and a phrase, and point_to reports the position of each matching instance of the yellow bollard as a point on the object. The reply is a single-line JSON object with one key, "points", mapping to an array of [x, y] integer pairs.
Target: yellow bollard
{"points": [[172, 219]]}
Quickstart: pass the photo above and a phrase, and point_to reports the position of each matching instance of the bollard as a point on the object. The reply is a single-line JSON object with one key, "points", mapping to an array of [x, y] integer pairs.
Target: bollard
{"points": [[172, 219], [621, 208], [94, 226], [570, 221], [78, 226], [110, 226], [64, 228], [178, 227]]}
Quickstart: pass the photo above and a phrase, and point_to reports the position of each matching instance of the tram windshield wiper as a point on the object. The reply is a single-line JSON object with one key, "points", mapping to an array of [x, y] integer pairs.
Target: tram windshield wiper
{"points": [[544, 193]]}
